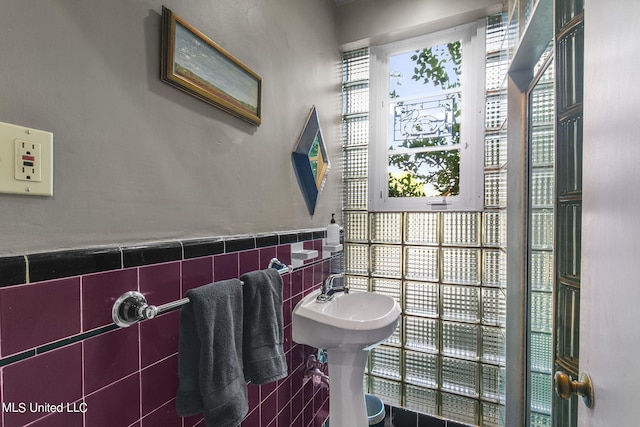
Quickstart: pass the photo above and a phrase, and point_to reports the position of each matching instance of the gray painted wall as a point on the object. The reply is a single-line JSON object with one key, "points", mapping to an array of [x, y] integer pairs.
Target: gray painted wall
{"points": [[374, 22], [138, 160]]}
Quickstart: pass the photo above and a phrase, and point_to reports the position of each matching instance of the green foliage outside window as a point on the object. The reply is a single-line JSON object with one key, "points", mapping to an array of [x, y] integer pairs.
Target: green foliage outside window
{"points": [[440, 169]]}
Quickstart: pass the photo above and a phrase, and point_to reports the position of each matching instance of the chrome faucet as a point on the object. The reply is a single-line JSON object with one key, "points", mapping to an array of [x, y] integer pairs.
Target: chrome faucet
{"points": [[328, 288]]}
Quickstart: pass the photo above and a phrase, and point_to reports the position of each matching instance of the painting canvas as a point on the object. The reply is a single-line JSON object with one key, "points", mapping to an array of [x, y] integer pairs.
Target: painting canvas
{"points": [[195, 64]]}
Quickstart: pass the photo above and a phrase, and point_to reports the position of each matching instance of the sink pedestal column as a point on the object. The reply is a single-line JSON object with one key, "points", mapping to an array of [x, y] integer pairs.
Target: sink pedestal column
{"points": [[346, 395]]}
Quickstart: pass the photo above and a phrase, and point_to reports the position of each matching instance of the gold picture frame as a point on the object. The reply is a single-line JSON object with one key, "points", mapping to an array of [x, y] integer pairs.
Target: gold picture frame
{"points": [[195, 64]]}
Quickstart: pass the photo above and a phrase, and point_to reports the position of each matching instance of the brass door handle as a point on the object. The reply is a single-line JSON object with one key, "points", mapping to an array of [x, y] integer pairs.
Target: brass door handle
{"points": [[565, 387]]}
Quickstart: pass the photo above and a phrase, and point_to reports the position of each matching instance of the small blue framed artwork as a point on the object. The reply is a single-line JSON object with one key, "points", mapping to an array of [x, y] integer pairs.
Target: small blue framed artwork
{"points": [[310, 161]]}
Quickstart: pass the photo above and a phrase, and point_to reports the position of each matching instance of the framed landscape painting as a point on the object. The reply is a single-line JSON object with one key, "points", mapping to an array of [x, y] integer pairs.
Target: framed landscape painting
{"points": [[197, 65]]}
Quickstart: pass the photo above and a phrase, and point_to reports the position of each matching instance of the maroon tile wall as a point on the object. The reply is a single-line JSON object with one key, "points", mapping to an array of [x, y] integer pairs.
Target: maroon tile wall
{"points": [[58, 346]]}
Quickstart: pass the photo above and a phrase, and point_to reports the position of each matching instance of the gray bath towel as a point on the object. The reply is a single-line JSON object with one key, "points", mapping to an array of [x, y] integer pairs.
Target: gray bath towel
{"points": [[264, 359], [211, 379]]}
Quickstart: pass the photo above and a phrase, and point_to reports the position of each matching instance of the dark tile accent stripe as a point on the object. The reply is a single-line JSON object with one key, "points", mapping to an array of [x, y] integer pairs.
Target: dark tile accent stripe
{"points": [[71, 340], [56, 344], [202, 247], [240, 244], [55, 265], [457, 424], [288, 238], [13, 270], [306, 235], [403, 417], [429, 421], [153, 253], [319, 234], [266, 240], [17, 357]]}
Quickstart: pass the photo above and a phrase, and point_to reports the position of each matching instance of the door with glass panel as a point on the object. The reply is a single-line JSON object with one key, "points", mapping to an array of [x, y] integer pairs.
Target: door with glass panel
{"points": [[569, 44], [554, 176], [541, 178], [596, 290]]}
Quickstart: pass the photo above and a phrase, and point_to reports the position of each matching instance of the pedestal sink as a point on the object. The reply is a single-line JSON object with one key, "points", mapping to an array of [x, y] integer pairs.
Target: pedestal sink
{"points": [[347, 326]]}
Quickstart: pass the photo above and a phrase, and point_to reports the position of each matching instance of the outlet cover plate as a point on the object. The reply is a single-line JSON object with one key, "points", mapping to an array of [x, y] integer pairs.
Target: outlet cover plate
{"points": [[8, 183]]}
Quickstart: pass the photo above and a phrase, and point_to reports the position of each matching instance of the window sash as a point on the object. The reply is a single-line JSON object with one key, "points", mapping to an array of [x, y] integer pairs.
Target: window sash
{"points": [[471, 145]]}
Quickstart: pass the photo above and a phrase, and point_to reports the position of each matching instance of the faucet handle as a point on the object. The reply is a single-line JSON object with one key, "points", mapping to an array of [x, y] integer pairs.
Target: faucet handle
{"points": [[328, 283], [332, 277], [327, 291], [345, 285]]}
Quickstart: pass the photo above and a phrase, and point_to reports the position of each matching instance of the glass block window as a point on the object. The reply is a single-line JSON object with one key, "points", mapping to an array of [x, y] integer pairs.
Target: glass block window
{"points": [[461, 303], [494, 268], [461, 229], [421, 334], [356, 259], [357, 283], [459, 408], [421, 228], [492, 382], [386, 227], [446, 269], [540, 271], [420, 399], [356, 226], [421, 263], [385, 362], [389, 391], [355, 194], [421, 368], [355, 162], [494, 228], [492, 415], [460, 266], [493, 345], [494, 307], [460, 376], [421, 298], [386, 260]]}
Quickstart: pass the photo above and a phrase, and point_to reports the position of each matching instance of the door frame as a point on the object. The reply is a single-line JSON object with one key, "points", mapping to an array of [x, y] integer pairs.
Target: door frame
{"points": [[533, 42]]}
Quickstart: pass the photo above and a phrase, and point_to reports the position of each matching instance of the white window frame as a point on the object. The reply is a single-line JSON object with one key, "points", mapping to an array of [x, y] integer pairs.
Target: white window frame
{"points": [[471, 197]]}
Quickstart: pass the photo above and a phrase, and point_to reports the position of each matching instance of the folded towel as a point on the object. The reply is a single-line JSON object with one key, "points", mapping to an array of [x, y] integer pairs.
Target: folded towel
{"points": [[264, 359], [211, 379]]}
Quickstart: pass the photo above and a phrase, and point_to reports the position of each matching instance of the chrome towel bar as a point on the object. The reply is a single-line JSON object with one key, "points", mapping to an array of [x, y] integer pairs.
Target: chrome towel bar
{"points": [[132, 306]]}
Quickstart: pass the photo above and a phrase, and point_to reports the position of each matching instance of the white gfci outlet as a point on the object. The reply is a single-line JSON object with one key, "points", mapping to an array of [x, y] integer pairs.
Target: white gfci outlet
{"points": [[28, 165], [26, 161]]}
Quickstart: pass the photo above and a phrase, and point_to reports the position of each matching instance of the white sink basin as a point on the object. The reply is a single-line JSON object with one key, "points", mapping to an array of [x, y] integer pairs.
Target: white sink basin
{"points": [[357, 321], [347, 326]]}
